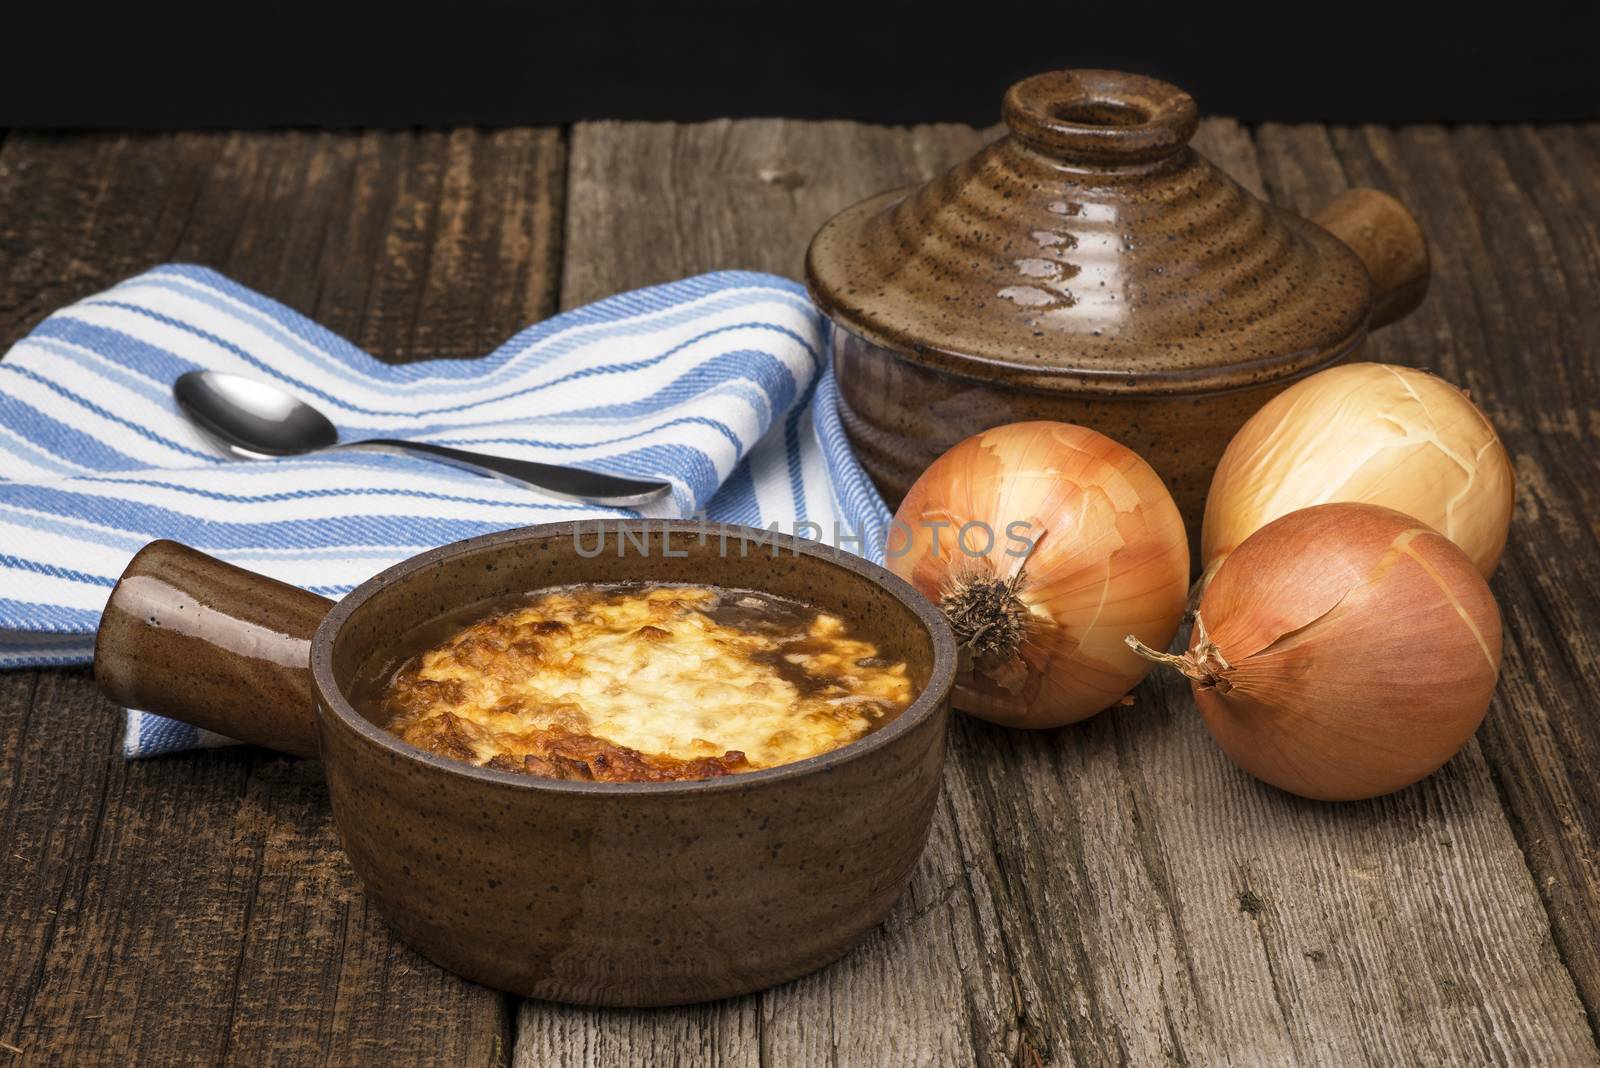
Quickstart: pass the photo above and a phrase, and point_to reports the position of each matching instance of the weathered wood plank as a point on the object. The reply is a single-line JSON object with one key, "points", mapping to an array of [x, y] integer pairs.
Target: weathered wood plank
{"points": [[639, 194], [1545, 751], [1114, 892], [1516, 251], [650, 203], [198, 909]]}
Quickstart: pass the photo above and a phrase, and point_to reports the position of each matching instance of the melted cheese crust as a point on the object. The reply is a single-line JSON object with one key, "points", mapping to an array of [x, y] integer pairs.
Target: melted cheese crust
{"points": [[645, 684]]}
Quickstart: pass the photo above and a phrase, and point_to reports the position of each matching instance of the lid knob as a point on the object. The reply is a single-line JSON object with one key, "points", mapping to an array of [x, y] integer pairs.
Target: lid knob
{"points": [[1100, 116]]}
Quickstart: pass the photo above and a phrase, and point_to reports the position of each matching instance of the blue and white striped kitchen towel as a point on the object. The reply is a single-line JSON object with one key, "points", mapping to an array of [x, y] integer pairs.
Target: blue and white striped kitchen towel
{"points": [[717, 383]]}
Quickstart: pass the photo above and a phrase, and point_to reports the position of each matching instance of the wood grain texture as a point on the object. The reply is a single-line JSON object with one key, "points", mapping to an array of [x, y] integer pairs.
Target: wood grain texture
{"points": [[648, 202], [1114, 892], [198, 909], [1516, 259]]}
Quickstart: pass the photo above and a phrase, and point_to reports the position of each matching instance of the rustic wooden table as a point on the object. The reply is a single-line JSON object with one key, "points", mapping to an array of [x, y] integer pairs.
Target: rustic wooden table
{"points": [[1109, 893]]}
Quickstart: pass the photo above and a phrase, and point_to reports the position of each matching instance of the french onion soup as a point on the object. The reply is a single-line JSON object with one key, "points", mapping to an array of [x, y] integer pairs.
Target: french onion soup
{"points": [[638, 683]]}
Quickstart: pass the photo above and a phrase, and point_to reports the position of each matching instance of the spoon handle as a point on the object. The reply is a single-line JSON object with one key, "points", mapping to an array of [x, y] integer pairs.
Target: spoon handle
{"points": [[566, 483]]}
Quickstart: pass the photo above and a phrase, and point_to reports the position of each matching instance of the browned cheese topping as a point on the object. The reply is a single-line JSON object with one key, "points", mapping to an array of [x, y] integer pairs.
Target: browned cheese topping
{"points": [[645, 684]]}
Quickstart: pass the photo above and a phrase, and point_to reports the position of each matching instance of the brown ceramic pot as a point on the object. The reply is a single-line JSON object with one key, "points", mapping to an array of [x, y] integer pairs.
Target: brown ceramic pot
{"points": [[596, 893], [1092, 268]]}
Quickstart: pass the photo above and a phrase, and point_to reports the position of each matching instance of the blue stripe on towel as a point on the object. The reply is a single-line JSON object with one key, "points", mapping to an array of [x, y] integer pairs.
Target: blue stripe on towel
{"points": [[702, 382]]}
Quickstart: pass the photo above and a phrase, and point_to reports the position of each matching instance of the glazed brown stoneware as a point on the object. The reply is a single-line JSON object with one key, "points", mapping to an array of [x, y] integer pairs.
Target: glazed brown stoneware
{"points": [[1091, 267], [596, 893]]}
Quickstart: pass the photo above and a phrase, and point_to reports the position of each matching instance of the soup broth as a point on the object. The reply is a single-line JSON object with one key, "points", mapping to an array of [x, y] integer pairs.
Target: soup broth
{"points": [[638, 683]]}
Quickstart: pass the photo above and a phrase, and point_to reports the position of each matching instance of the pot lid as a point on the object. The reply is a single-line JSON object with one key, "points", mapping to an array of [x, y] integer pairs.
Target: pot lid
{"points": [[1092, 249]]}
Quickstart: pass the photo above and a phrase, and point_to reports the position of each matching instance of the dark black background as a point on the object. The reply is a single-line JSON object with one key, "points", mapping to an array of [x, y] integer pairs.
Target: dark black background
{"points": [[496, 62]]}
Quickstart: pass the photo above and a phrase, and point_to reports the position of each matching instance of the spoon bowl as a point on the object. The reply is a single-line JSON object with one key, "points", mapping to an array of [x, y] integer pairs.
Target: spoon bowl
{"points": [[251, 418], [256, 420]]}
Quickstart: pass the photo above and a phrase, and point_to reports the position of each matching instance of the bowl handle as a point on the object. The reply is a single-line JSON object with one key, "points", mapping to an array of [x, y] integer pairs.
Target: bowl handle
{"points": [[1385, 234], [213, 645]]}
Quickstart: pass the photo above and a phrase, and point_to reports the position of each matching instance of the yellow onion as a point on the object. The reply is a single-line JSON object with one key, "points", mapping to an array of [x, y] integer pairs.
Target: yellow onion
{"points": [[1044, 543], [1368, 432], [1343, 651]]}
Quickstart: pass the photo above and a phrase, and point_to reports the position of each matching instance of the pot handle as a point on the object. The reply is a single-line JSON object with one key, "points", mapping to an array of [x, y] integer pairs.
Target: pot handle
{"points": [[1385, 234], [188, 636]]}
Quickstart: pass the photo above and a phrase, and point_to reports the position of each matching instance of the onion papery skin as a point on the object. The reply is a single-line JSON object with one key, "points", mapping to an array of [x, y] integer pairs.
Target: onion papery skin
{"points": [[1362, 650], [1111, 558], [1372, 433]]}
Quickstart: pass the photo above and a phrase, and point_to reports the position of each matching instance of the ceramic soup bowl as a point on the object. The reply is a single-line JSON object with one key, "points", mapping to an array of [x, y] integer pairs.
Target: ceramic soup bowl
{"points": [[594, 893]]}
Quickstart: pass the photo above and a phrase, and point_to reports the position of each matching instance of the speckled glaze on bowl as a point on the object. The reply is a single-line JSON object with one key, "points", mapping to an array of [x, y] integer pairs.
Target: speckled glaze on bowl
{"points": [[1093, 268], [593, 893]]}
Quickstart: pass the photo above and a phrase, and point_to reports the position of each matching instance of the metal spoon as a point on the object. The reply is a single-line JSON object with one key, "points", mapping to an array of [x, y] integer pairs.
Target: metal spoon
{"points": [[256, 420]]}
